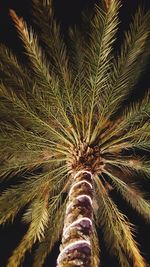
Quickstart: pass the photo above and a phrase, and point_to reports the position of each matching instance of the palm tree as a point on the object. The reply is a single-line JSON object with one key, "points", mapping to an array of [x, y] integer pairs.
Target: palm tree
{"points": [[67, 138]]}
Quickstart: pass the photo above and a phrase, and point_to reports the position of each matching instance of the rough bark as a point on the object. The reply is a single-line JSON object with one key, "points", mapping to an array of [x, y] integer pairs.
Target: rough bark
{"points": [[76, 249]]}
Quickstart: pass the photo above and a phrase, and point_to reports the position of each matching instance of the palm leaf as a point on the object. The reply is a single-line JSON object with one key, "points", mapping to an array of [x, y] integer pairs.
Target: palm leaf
{"points": [[136, 137], [23, 110], [39, 221], [99, 54], [122, 77], [131, 122], [117, 231], [15, 198], [132, 195], [53, 232], [53, 40], [13, 73], [41, 68], [137, 164]]}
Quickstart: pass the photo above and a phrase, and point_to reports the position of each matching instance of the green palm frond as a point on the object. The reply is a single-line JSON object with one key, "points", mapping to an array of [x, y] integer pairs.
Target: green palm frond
{"points": [[40, 214], [52, 234], [43, 19], [136, 113], [23, 110], [137, 164], [117, 231], [123, 73], [12, 72], [135, 137], [104, 28], [132, 195], [39, 220], [41, 70], [133, 117], [122, 78], [142, 142], [42, 100], [60, 61], [15, 198], [23, 150]]}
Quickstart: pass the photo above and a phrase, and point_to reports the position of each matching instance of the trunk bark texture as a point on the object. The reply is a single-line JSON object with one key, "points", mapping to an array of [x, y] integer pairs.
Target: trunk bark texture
{"points": [[76, 249]]}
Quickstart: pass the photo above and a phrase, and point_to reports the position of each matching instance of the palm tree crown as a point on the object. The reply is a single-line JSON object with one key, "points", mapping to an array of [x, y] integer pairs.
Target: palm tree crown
{"points": [[60, 113]]}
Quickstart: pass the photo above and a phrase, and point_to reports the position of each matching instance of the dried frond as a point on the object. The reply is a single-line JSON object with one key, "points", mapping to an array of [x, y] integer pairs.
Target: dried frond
{"points": [[117, 231]]}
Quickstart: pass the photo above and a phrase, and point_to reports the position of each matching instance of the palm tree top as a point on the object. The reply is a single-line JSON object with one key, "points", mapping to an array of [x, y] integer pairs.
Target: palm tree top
{"points": [[64, 112]]}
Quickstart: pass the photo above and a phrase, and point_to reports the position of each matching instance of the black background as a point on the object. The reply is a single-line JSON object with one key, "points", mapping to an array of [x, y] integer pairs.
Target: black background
{"points": [[69, 12]]}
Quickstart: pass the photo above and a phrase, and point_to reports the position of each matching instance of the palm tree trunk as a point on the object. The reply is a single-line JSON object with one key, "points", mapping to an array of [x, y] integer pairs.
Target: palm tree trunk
{"points": [[75, 249]]}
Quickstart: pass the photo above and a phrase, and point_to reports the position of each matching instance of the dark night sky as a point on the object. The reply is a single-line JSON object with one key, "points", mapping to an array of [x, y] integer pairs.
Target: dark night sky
{"points": [[68, 11]]}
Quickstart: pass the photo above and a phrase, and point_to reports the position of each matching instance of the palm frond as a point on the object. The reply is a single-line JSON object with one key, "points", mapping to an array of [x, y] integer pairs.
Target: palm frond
{"points": [[23, 110], [142, 142], [122, 77], [52, 234], [117, 231], [17, 78], [136, 137], [52, 39], [132, 195], [131, 122], [13, 73], [77, 40], [137, 164], [39, 220], [99, 54], [43, 19], [23, 150], [13, 199], [41, 69], [23, 80]]}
